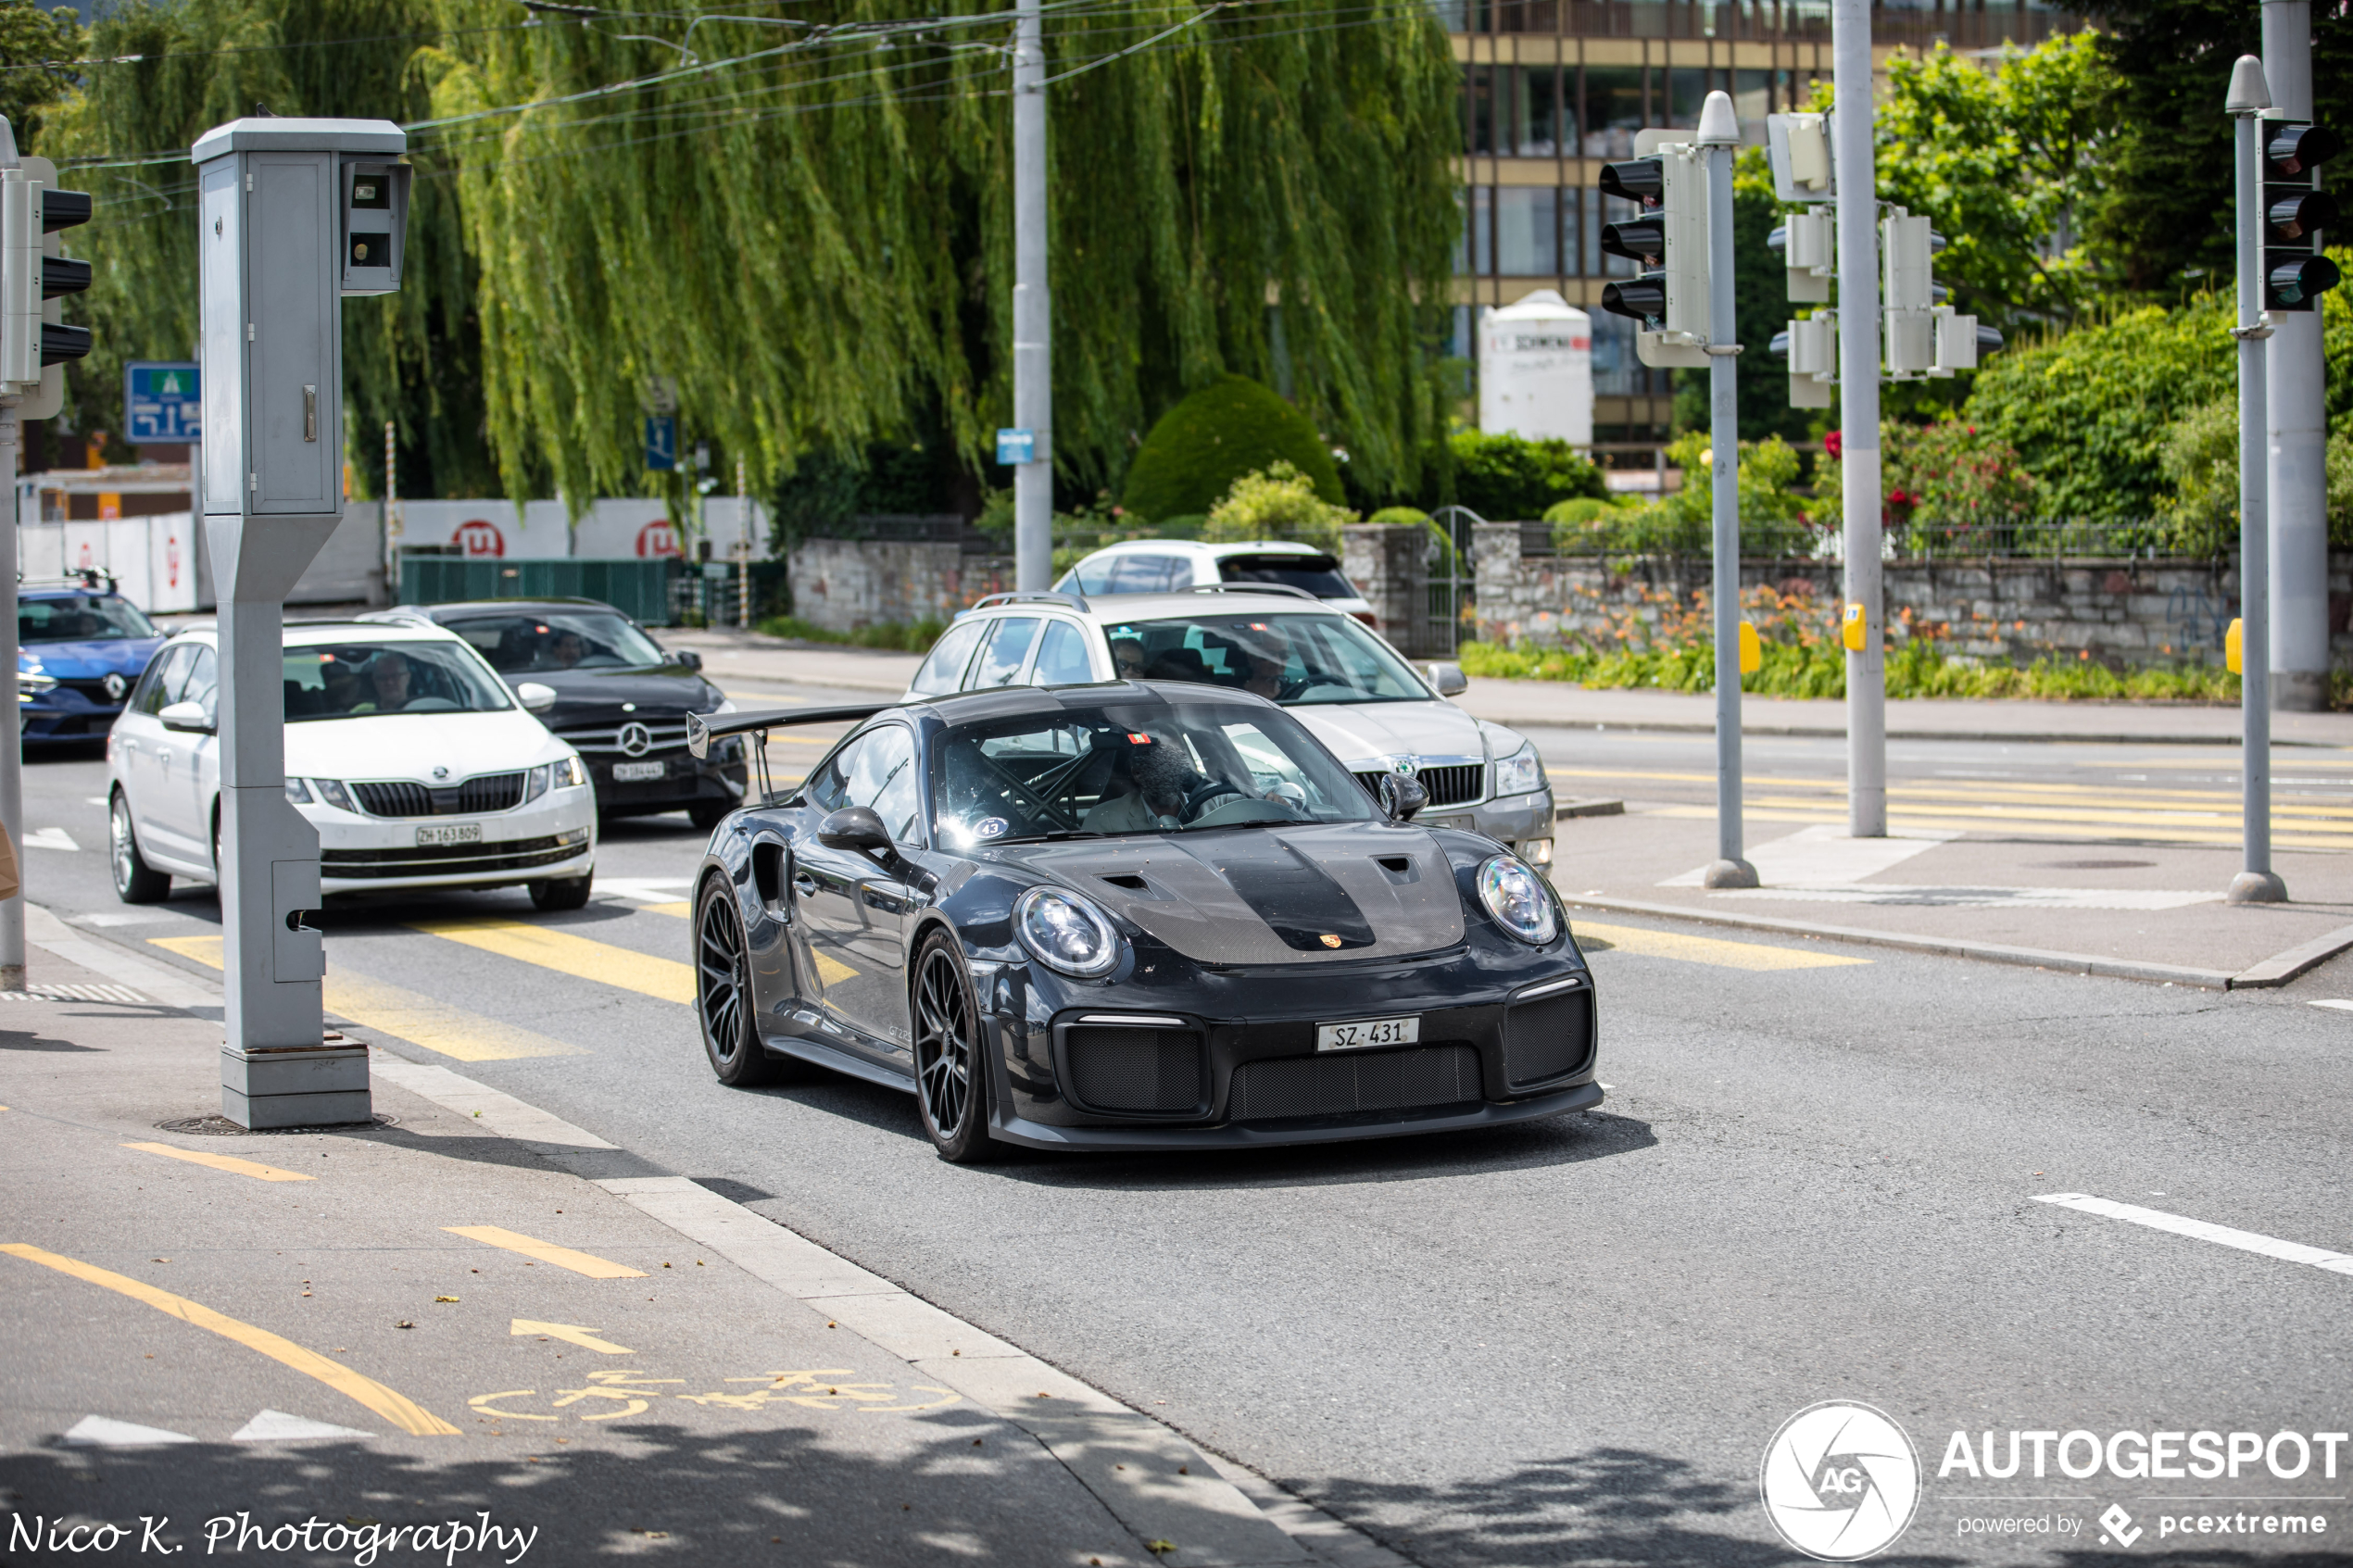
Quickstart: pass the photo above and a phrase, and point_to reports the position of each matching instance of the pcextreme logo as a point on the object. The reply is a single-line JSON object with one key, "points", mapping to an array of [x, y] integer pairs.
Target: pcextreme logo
{"points": [[1840, 1481]]}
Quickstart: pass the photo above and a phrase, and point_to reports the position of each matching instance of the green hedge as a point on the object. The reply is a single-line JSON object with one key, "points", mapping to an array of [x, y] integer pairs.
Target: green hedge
{"points": [[1229, 428]]}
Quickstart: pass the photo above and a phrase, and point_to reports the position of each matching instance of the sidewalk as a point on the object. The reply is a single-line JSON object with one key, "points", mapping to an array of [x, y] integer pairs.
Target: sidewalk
{"points": [[2094, 905], [473, 1315], [750, 660]]}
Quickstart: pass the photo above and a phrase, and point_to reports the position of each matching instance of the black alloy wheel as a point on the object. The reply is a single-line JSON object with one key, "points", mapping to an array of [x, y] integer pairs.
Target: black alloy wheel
{"points": [[951, 1077], [723, 993], [135, 882]]}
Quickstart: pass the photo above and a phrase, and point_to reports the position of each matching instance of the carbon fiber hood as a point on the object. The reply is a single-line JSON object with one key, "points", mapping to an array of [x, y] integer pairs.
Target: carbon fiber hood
{"points": [[1318, 892]]}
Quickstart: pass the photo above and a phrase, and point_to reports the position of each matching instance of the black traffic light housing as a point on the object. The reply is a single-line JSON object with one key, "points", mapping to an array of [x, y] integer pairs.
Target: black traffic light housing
{"points": [[2296, 212], [59, 276], [1641, 240]]}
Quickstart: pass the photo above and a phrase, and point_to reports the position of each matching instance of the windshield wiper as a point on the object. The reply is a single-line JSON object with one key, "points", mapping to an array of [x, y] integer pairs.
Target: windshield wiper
{"points": [[1056, 837]]}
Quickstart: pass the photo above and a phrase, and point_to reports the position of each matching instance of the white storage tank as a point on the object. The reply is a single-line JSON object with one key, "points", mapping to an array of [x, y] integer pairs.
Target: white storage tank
{"points": [[1536, 371]]}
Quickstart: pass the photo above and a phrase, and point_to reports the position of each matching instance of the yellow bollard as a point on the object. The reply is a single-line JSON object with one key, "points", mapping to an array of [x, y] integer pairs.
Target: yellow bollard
{"points": [[2234, 648]]}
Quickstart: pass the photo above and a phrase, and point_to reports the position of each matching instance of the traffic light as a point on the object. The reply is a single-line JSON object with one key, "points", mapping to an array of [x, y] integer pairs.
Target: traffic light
{"points": [[1925, 337], [1668, 239], [2295, 210], [1809, 244], [1811, 347], [34, 274]]}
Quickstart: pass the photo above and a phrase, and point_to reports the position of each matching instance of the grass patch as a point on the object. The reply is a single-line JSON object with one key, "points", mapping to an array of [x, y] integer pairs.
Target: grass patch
{"points": [[916, 638]]}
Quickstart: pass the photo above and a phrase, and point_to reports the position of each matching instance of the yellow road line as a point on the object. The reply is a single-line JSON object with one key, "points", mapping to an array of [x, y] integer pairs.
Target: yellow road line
{"points": [[571, 1334], [228, 1162], [1709, 950], [547, 1253], [419, 1020], [398, 1409], [682, 908], [567, 954], [1914, 823]]}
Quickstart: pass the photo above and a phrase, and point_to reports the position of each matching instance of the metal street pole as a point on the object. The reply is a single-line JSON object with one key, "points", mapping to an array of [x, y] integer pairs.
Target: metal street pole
{"points": [[2256, 884], [1858, 415], [11, 729], [1033, 324], [1720, 134], [2295, 391]]}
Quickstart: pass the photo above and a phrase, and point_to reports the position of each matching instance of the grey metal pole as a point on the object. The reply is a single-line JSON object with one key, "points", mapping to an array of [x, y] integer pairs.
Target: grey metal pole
{"points": [[2255, 883], [11, 729], [1720, 134], [1858, 414], [1033, 321], [2296, 390]]}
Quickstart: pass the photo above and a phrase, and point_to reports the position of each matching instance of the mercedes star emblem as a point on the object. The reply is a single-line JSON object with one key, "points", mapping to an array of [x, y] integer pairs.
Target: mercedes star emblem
{"points": [[636, 739]]}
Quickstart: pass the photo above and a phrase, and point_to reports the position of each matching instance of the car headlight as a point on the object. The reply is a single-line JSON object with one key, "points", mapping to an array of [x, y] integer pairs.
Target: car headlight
{"points": [[569, 773], [332, 793], [1520, 772], [1516, 896], [534, 783], [31, 684], [1064, 932], [297, 792]]}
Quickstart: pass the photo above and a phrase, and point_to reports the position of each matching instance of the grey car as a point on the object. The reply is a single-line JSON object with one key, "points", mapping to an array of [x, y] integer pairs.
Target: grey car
{"points": [[1357, 695]]}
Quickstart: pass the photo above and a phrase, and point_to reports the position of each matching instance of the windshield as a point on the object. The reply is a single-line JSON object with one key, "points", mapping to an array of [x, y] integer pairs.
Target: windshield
{"points": [[81, 617], [557, 641], [1147, 768], [363, 680], [1318, 575], [1292, 659]]}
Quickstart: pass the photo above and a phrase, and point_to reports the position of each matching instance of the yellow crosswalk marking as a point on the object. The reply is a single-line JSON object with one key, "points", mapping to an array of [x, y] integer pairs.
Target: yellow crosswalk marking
{"points": [[418, 1019], [567, 954], [682, 908], [571, 1334], [830, 970], [1709, 950], [398, 1409], [547, 1252], [222, 1163]]}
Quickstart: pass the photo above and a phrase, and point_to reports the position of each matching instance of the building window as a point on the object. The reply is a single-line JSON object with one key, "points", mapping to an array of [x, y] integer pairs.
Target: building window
{"points": [[1535, 112], [1752, 100], [1617, 373], [1686, 92], [1613, 110], [1453, 14], [1526, 231], [1482, 216], [1480, 140]]}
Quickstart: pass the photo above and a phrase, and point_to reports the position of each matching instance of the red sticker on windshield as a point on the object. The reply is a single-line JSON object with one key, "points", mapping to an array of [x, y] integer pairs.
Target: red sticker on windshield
{"points": [[1140, 740]]}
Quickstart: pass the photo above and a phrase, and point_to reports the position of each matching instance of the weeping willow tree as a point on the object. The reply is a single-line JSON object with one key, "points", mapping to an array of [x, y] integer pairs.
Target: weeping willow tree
{"points": [[804, 221]]}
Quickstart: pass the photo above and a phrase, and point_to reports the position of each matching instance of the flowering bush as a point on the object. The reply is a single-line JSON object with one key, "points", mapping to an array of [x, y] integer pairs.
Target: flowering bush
{"points": [[1276, 502]]}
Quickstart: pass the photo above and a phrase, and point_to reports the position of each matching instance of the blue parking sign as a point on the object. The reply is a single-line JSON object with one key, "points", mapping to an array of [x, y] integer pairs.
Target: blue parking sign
{"points": [[1015, 447], [662, 441], [160, 401]]}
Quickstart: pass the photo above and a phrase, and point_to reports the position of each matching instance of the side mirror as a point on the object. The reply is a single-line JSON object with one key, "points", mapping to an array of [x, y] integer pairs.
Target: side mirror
{"points": [[1449, 679], [189, 716], [1401, 797], [856, 828], [686, 657], [535, 696]]}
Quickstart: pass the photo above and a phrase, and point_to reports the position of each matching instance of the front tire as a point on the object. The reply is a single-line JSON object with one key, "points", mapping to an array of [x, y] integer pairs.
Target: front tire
{"points": [[566, 893], [951, 1075], [135, 882], [724, 1001]]}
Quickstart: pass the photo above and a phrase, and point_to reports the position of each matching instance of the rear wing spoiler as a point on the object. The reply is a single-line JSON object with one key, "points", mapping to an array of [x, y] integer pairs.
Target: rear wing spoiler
{"points": [[702, 729]]}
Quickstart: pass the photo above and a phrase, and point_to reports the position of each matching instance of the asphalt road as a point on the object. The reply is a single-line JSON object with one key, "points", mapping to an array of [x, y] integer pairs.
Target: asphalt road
{"points": [[1571, 1341]]}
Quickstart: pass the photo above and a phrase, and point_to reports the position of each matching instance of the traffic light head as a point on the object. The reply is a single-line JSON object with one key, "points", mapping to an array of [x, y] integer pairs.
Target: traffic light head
{"points": [[1643, 298], [1641, 239], [1642, 179], [2295, 213]]}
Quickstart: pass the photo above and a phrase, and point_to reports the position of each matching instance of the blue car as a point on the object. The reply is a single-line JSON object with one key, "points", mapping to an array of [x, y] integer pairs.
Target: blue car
{"points": [[81, 647]]}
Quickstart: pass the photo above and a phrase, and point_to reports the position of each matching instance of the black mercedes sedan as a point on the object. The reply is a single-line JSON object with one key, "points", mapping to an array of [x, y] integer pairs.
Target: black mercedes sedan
{"points": [[622, 699], [1129, 916]]}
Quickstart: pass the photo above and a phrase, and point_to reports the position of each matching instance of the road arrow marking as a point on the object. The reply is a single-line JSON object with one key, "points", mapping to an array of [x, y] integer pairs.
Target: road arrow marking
{"points": [[547, 1252], [571, 1334], [50, 838]]}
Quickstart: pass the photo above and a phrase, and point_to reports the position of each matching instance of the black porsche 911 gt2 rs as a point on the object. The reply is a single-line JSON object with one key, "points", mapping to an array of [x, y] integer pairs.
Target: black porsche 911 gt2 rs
{"points": [[1130, 916]]}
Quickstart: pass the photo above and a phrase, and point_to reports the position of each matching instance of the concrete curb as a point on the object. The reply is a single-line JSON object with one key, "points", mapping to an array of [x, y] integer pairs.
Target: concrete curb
{"points": [[1940, 947], [2281, 967], [1828, 732]]}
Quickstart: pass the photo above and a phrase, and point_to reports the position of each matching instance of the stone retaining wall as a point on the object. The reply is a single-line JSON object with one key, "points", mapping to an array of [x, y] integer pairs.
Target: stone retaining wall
{"points": [[844, 584], [2124, 612]]}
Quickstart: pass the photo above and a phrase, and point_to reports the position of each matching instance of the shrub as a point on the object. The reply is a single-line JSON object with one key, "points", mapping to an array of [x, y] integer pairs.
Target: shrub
{"points": [[1279, 502], [1951, 474], [916, 638], [1232, 426], [1401, 516], [1507, 478]]}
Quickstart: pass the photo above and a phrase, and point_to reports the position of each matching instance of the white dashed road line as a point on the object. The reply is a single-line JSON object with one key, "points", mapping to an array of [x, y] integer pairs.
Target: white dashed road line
{"points": [[2222, 1235]]}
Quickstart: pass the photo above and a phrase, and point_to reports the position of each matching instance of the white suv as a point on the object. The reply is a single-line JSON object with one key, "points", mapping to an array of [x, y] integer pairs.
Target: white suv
{"points": [[1165, 566], [404, 750], [1373, 710]]}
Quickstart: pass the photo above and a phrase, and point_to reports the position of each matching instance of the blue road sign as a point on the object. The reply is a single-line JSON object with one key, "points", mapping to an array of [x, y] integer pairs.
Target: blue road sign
{"points": [[160, 401], [662, 441], [1016, 446]]}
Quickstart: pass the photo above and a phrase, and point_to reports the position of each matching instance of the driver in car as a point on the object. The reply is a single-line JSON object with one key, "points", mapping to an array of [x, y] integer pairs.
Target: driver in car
{"points": [[1159, 777], [388, 679], [1265, 657]]}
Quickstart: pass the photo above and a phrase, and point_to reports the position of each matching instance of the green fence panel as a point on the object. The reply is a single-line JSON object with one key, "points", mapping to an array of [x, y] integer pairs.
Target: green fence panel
{"points": [[636, 588]]}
